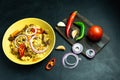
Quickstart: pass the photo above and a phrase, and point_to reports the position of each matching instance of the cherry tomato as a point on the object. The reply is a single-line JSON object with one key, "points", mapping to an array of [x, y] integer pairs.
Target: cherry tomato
{"points": [[95, 33]]}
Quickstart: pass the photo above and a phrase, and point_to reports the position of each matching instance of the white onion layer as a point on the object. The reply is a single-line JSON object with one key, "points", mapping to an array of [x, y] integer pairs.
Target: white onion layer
{"points": [[35, 50], [77, 48], [32, 33], [17, 38], [67, 64], [90, 53]]}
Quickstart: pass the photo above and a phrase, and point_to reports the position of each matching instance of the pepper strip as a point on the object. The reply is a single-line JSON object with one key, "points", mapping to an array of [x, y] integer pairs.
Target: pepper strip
{"points": [[21, 50], [50, 64], [69, 23], [82, 28]]}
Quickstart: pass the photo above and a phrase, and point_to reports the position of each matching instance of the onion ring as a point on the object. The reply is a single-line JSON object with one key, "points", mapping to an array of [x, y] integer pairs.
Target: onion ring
{"points": [[90, 53], [33, 32], [18, 37], [77, 48], [35, 50], [68, 65]]}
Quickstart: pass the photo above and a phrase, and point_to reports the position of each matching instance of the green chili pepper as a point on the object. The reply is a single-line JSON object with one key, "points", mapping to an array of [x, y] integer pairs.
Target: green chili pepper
{"points": [[82, 28]]}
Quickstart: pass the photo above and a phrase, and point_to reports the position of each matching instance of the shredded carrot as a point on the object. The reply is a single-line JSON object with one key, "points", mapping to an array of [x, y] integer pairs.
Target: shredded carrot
{"points": [[34, 60], [14, 33], [29, 37]]}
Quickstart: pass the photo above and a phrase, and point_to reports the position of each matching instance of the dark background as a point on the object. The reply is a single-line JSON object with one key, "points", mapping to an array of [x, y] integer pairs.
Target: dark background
{"points": [[105, 66]]}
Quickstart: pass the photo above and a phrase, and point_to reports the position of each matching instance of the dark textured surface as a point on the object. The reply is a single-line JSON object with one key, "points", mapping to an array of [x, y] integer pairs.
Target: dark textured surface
{"points": [[105, 66]]}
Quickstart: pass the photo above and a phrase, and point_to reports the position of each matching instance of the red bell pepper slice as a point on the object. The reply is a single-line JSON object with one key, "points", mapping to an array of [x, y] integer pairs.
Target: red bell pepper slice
{"points": [[50, 64], [40, 31], [21, 50], [33, 30]]}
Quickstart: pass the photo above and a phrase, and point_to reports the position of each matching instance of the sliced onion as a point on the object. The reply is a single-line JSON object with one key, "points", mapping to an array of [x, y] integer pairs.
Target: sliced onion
{"points": [[31, 28], [67, 64], [90, 53], [19, 37], [35, 50], [77, 48]]}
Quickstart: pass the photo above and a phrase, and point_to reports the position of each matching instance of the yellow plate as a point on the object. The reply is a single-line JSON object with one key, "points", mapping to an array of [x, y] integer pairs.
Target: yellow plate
{"points": [[20, 25]]}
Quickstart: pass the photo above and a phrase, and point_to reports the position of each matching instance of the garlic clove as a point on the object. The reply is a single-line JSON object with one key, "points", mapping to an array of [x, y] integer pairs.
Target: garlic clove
{"points": [[74, 33], [60, 47], [61, 24]]}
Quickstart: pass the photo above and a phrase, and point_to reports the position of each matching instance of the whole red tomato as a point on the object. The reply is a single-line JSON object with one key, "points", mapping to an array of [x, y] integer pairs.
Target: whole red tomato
{"points": [[95, 33]]}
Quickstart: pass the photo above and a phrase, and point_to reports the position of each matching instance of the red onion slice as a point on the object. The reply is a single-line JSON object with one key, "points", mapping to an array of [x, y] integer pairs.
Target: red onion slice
{"points": [[77, 48], [67, 64], [29, 28], [35, 50], [90, 53], [15, 42]]}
